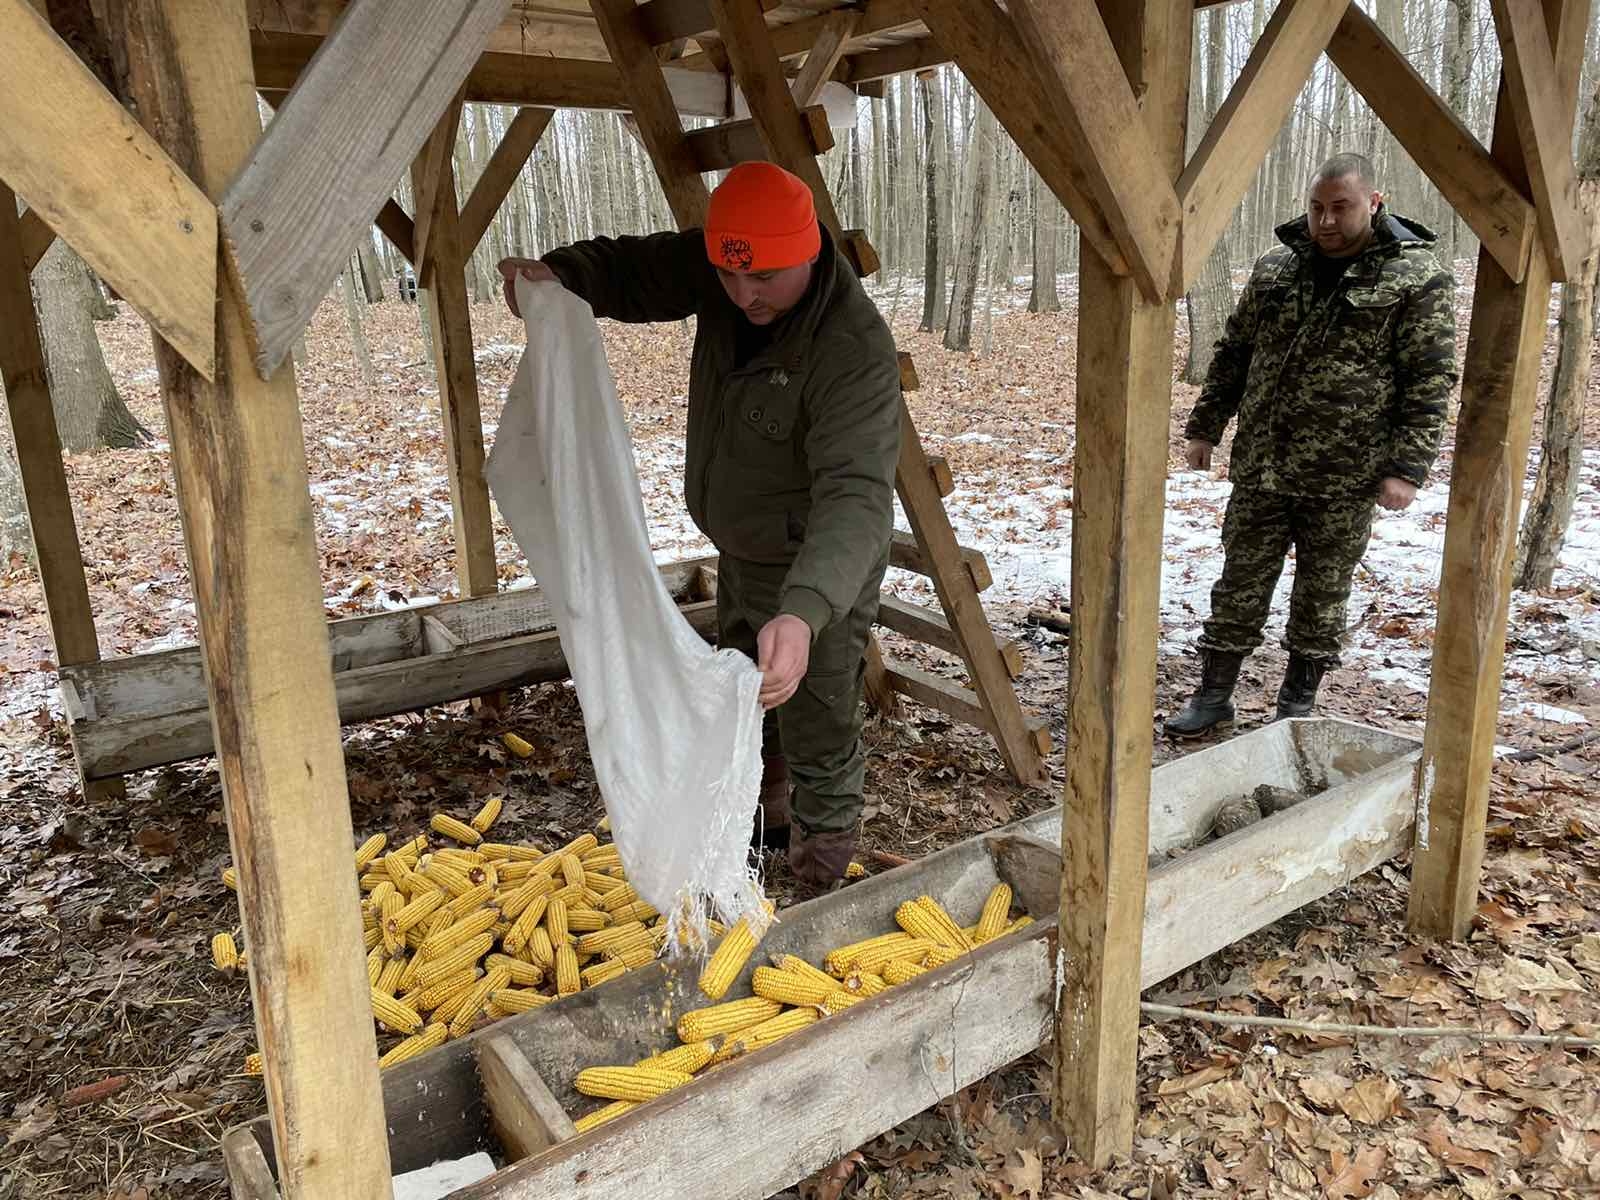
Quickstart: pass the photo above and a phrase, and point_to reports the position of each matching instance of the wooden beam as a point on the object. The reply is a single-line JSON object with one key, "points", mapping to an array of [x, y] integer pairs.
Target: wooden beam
{"points": [[823, 56], [88, 170], [939, 693], [718, 147], [1544, 128], [38, 450], [906, 554], [35, 237], [1436, 138], [398, 228], [433, 185], [532, 28], [249, 1177], [663, 21], [1124, 404], [240, 464], [1499, 392], [1225, 162], [798, 37], [931, 628], [1089, 93], [991, 54], [867, 65], [522, 1112], [654, 110], [505, 164], [330, 157]]}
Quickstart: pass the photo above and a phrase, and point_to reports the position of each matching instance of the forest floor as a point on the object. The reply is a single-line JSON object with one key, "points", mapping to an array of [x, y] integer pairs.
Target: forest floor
{"points": [[106, 916]]}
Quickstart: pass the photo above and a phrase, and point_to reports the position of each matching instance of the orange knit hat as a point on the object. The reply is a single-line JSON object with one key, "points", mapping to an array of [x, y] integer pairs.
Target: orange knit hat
{"points": [[761, 218]]}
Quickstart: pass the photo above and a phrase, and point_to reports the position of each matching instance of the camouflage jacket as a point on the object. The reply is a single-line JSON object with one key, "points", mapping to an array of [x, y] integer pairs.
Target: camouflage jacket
{"points": [[790, 458], [1335, 394]]}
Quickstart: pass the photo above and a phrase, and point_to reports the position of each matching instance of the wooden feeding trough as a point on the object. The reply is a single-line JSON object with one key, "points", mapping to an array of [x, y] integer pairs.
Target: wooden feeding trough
{"points": [[756, 1125]]}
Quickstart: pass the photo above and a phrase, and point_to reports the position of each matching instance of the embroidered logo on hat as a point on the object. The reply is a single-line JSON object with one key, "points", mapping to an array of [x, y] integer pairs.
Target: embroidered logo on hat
{"points": [[737, 253]]}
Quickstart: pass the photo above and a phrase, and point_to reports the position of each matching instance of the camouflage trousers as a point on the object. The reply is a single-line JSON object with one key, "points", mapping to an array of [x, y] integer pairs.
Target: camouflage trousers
{"points": [[818, 729], [1329, 538]]}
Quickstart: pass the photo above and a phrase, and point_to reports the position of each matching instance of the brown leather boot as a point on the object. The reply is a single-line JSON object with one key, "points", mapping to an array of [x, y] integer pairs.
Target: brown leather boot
{"points": [[772, 822], [819, 860]]}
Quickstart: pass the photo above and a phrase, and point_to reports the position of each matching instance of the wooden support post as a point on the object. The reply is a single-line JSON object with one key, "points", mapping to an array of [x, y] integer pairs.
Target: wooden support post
{"points": [[239, 459], [505, 164], [718, 147], [399, 229], [1499, 391], [823, 56], [36, 236], [1124, 402], [455, 367]]}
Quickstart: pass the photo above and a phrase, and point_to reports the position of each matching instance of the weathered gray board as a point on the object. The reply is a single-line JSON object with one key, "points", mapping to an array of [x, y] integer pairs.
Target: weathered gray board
{"points": [[758, 1125]]}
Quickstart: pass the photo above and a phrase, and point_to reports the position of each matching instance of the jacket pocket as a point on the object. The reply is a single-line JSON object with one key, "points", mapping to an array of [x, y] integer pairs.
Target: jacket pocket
{"points": [[829, 688]]}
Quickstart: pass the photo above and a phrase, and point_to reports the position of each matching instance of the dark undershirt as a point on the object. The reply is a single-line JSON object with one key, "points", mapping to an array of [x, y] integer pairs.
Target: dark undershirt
{"points": [[1327, 272], [749, 340]]}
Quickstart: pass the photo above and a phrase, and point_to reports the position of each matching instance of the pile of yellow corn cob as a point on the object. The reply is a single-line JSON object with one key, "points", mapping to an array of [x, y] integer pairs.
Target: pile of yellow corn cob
{"points": [[791, 994], [474, 932]]}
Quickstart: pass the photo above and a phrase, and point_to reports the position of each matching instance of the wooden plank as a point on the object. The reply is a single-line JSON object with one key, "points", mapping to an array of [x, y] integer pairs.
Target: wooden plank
{"points": [[240, 464], [522, 1112], [330, 157], [1119, 478], [943, 478], [545, 28], [1499, 392], [859, 251], [908, 374], [937, 692], [663, 21], [924, 625], [90, 173], [991, 54], [1544, 129], [823, 56], [398, 228], [907, 555], [1225, 162], [249, 1177], [439, 638], [654, 111], [1435, 137], [38, 450], [35, 236], [867, 65], [880, 696], [718, 147], [520, 79], [1089, 93], [505, 164], [433, 188], [795, 38]]}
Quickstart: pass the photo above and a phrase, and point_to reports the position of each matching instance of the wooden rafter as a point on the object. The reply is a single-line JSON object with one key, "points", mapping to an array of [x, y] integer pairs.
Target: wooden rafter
{"points": [[89, 172], [1225, 162], [398, 228], [1544, 129], [868, 65], [823, 56], [505, 164], [798, 37], [35, 237], [664, 21], [1464, 172], [433, 186], [718, 147], [333, 152]]}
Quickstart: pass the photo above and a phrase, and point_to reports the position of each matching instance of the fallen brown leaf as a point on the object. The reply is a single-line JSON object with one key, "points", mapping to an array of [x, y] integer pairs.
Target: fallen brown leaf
{"points": [[1372, 1101], [1353, 1177], [1187, 1083]]}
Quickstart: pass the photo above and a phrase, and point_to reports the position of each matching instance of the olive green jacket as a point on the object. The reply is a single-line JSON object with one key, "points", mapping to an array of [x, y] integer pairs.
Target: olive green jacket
{"points": [[791, 458], [1335, 394]]}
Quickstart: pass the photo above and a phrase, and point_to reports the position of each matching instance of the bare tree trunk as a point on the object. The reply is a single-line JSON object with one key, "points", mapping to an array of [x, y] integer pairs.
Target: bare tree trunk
{"points": [[933, 263], [89, 413], [1457, 75], [969, 258], [352, 313], [1046, 295], [371, 272], [16, 534]]}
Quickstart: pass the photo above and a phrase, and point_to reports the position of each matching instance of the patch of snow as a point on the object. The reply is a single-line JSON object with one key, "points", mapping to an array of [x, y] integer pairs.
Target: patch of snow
{"points": [[1549, 712]]}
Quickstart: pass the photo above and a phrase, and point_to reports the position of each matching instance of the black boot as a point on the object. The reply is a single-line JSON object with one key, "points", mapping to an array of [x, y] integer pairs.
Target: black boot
{"points": [[772, 816], [1212, 705], [1300, 682]]}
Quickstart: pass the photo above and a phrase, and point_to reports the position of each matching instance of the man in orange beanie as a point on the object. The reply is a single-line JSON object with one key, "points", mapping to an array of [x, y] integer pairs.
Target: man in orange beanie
{"points": [[794, 431]]}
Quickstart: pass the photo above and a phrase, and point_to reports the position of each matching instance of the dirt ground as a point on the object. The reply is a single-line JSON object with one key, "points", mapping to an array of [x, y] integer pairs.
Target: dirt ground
{"points": [[106, 914]]}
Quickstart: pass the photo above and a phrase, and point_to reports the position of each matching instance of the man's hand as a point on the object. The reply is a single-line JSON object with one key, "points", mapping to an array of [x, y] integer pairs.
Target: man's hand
{"points": [[783, 649], [1198, 455], [528, 268], [1396, 494]]}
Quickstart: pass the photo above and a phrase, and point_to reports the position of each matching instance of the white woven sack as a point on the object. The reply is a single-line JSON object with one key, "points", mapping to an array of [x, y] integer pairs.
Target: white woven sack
{"points": [[674, 726]]}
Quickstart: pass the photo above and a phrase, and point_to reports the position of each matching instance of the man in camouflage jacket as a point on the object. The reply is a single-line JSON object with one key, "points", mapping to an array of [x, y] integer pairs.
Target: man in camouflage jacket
{"points": [[793, 437], [1338, 361]]}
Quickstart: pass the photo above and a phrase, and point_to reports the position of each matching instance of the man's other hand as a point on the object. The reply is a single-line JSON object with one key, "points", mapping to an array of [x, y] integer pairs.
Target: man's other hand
{"points": [[783, 649], [1198, 455], [528, 268], [1396, 494]]}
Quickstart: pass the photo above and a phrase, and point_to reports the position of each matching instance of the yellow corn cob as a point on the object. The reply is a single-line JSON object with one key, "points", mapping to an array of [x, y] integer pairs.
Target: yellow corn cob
{"points": [[632, 955], [429, 926], [629, 1083], [519, 1000], [600, 857], [601, 1115], [522, 974], [688, 1059], [700, 1023], [230, 878], [572, 870], [460, 856], [393, 939], [463, 956], [370, 849], [451, 828], [580, 845], [541, 949], [437, 945], [516, 745], [413, 914], [747, 1041], [372, 937], [840, 1000], [253, 1064], [602, 972], [940, 956], [522, 928], [619, 897], [408, 978], [586, 920], [372, 879], [415, 848], [512, 872], [794, 965], [497, 851], [555, 920], [399, 872], [730, 957], [1021, 922], [470, 901], [864, 983], [855, 871], [838, 961], [417, 1043], [452, 878], [568, 981], [434, 995], [604, 824], [397, 1016], [389, 978], [788, 988], [447, 1011], [992, 921], [925, 918], [496, 979], [375, 961], [488, 814], [514, 903], [914, 950], [224, 954], [382, 892], [612, 935], [901, 971], [602, 884]]}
